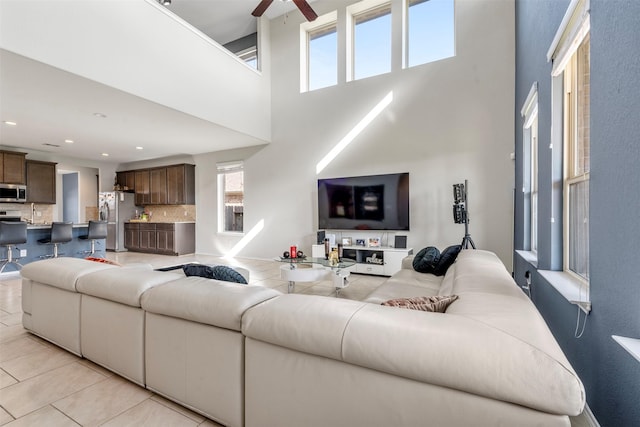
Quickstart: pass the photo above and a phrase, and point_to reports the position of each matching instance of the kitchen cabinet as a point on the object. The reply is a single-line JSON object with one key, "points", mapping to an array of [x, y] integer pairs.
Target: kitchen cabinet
{"points": [[166, 185], [126, 180], [161, 238], [12, 167], [158, 186], [132, 236], [148, 238], [41, 182], [165, 238], [181, 185], [142, 187]]}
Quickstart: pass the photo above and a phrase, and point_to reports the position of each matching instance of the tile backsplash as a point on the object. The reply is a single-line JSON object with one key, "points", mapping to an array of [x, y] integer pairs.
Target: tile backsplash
{"points": [[43, 213], [171, 213]]}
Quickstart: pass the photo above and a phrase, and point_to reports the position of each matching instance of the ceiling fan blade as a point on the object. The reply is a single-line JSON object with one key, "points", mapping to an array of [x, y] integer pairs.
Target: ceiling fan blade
{"points": [[306, 10], [264, 4]]}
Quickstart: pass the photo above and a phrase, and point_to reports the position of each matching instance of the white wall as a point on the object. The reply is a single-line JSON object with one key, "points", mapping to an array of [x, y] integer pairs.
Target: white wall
{"points": [[449, 121], [101, 39]]}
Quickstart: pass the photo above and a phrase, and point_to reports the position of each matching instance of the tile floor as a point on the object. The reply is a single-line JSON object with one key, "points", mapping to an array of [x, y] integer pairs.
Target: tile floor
{"points": [[43, 385]]}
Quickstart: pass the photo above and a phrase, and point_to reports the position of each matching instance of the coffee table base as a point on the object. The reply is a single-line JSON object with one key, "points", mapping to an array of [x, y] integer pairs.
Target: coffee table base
{"points": [[293, 274]]}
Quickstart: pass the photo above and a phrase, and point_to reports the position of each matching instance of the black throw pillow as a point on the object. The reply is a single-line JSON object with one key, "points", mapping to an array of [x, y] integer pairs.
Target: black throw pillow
{"points": [[447, 257], [228, 274], [200, 270], [426, 260]]}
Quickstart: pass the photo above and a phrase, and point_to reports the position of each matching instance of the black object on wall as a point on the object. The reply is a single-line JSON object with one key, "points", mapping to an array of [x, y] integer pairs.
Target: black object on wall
{"points": [[321, 235]]}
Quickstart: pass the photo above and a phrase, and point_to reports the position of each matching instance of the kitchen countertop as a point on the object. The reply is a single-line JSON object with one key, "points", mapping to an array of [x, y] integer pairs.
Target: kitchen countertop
{"points": [[134, 221], [44, 225]]}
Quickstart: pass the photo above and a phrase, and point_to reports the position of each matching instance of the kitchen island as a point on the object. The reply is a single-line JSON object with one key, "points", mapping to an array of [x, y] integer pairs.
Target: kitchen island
{"points": [[36, 251]]}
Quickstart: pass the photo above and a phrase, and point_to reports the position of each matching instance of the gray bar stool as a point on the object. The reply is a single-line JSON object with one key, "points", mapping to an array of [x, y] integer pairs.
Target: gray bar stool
{"points": [[61, 232], [12, 233], [97, 230]]}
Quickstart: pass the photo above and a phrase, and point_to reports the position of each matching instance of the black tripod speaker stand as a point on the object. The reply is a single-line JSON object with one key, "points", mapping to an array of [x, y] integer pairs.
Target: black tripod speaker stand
{"points": [[461, 212]]}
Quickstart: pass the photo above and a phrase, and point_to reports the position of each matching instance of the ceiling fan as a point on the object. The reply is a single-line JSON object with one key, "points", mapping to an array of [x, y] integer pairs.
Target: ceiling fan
{"points": [[304, 7]]}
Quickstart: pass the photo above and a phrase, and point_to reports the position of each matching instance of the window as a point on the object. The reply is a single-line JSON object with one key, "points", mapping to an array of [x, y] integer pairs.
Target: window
{"points": [[323, 57], [249, 56], [319, 53], [430, 31], [230, 197], [570, 130], [371, 53], [576, 169], [529, 113]]}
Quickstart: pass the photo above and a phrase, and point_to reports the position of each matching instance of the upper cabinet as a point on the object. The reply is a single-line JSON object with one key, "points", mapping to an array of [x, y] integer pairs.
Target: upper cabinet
{"points": [[143, 192], [41, 182], [158, 186], [12, 167], [166, 185], [181, 185]]}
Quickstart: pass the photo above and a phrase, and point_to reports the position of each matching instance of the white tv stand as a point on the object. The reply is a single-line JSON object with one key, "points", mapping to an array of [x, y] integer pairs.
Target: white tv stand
{"points": [[379, 261]]}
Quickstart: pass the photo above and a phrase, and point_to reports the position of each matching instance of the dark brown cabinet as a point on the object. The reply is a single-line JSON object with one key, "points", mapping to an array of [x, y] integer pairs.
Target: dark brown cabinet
{"points": [[126, 180], [41, 182], [158, 186], [181, 185], [132, 236], [167, 185], [142, 188], [12, 167], [161, 238], [148, 237]]}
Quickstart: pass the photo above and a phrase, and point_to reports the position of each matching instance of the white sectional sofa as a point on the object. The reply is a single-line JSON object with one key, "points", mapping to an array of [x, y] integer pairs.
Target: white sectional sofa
{"points": [[247, 355]]}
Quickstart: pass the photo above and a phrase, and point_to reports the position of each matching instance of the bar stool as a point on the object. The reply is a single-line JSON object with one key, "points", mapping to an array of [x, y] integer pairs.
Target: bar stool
{"points": [[12, 233], [61, 232], [97, 230]]}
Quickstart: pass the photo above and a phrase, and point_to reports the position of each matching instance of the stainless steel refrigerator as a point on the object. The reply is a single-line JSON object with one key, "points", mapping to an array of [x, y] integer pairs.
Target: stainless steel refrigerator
{"points": [[116, 207]]}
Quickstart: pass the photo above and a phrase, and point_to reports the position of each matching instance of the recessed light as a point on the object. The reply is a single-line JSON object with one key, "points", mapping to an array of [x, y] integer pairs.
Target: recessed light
{"points": [[100, 115], [105, 154], [69, 141], [10, 123], [139, 148]]}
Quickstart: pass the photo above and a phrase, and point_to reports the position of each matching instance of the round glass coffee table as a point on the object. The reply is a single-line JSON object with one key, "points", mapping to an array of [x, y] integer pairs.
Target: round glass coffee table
{"points": [[315, 269]]}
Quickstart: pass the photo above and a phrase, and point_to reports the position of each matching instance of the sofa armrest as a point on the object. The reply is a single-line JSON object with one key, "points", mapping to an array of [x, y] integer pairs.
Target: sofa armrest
{"points": [[407, 262]]}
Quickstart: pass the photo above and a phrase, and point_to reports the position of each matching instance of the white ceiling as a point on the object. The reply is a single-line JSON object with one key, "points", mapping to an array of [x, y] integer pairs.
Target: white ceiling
{"points": [[51, 105]]}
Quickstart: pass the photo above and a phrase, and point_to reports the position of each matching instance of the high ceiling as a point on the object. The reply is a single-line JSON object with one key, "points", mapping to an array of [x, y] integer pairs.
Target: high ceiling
{"points": [[50, 105]]}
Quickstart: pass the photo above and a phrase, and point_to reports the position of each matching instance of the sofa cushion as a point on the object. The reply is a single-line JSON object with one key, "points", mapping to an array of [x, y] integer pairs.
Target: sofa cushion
{"points": [[447, 257], [426, 260], [61, 272], [434, 303], [211, 302], [120, 286]]}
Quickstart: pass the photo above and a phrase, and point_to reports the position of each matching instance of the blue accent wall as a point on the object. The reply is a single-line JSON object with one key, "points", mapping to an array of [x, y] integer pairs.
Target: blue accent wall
{"points": [[70, 197], [611, 375]]}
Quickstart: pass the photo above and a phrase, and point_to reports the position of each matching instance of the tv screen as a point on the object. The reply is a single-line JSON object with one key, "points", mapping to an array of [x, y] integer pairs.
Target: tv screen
{"points": [[376, 202]]}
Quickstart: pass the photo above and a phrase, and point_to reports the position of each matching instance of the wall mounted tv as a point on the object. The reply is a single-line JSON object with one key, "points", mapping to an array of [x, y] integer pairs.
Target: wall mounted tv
{"points": [[376, 202]]}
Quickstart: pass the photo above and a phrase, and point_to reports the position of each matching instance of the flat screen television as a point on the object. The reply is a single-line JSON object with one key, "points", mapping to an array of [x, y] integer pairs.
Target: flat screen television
{"points": [[375, 202]]}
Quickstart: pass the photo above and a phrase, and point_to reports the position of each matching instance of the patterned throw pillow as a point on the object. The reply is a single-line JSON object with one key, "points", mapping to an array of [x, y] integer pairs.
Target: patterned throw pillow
{"points": [[200, 270], [228, 274], [102, 260], [436, 303]]}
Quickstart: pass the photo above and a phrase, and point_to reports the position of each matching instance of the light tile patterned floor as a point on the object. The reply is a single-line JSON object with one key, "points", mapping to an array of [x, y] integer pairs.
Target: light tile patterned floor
{"points": [[43, 385]]}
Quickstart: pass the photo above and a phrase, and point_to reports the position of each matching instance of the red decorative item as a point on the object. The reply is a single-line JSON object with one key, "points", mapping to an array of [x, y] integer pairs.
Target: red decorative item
{"points": [[293, 251]]}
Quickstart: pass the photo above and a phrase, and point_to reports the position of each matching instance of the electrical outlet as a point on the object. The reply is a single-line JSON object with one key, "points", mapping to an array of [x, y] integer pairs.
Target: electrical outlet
{"points": [[38, 213], [23, 252], [185, 213], [164, 213]]}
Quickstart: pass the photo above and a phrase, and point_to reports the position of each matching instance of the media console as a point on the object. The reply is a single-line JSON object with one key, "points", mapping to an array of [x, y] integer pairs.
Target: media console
{"points": [[380, 261]]}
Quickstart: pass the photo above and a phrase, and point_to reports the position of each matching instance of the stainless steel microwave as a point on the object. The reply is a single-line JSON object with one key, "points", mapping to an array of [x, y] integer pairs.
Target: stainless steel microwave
{"points": [[13, 193]]}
